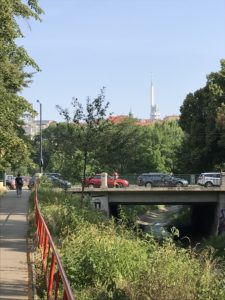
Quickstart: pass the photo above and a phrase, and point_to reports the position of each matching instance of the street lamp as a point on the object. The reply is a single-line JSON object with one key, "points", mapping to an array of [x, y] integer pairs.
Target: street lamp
{"points": [[41, 156]]}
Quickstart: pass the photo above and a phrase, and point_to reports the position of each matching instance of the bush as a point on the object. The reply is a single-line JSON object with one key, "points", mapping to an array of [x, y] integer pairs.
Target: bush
{"points": [[104, 260]]}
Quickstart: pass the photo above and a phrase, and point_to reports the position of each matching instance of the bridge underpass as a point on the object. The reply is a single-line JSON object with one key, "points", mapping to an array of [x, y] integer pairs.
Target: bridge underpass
{"points": [[207, 204], [203, 218]]}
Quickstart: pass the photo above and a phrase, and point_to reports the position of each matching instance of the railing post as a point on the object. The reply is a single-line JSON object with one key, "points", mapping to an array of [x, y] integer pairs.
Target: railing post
{"points": [[51, 276], [57, 285], [46, 247], [65, 295]]}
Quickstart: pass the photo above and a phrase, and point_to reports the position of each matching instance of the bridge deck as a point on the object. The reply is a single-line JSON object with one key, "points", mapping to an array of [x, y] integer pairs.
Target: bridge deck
{"points": [[134, 194]]}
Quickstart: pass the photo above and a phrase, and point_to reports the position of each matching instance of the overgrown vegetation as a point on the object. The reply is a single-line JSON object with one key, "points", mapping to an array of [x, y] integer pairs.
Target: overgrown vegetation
{"points": [[105, 260]]}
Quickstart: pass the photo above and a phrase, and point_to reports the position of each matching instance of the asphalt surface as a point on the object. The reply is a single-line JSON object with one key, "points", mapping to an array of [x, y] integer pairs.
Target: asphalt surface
{"points": [[14, 275]]}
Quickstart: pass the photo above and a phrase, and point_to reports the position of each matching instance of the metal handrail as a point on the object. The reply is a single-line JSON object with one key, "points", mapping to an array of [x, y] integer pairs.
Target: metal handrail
{"points": [[54, 273]]}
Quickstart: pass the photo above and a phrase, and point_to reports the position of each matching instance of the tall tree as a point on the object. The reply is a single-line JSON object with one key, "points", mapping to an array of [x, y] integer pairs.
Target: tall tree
{"points": [[90, 124], [202, 115], [13, 78]]}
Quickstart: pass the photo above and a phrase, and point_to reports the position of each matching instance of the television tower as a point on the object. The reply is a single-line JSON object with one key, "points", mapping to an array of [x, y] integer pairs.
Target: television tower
{"points": [[154, 110]]}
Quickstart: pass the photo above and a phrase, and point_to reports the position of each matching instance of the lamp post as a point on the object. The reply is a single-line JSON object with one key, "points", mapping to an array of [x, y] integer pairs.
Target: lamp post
{"points": [[41, 155]]}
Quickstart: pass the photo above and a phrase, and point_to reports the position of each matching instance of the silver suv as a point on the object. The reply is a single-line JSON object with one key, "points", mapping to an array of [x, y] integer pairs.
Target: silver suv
{"points": [[209, 179]]}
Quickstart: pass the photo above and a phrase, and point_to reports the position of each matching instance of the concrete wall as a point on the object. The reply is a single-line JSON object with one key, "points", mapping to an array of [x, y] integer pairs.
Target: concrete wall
{"points": [[221, 216], [101, 202]]}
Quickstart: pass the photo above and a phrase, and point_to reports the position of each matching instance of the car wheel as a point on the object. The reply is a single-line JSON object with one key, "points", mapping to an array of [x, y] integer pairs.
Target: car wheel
{"points": [[148, 184], [208, 184], [179, 184], [91, 186]]}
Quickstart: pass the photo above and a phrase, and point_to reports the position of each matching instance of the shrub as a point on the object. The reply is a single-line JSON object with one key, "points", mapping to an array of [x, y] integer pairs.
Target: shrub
{"points": [[105, 260]]}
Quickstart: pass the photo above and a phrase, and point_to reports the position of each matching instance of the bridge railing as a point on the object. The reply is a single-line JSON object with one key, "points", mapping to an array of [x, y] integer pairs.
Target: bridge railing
{"points": [[55, 276]]}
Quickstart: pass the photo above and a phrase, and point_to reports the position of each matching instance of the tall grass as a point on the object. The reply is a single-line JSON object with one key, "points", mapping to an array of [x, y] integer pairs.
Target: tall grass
{"points": [[105, 260]]}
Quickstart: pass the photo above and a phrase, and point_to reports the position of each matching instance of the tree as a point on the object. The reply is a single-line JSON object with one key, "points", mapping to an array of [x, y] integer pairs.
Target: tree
{"points": [[119, 146], [89, 124], [59, 142], [13, 78], [132, 148], [202, 115], [160, 143]]}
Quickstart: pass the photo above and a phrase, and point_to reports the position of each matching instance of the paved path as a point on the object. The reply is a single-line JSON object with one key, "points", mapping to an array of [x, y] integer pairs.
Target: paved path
{"points": [[13, 246]]}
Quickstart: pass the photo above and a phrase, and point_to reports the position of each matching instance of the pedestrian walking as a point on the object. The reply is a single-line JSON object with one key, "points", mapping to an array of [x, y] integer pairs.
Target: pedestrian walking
{"points": [[19, 185]]}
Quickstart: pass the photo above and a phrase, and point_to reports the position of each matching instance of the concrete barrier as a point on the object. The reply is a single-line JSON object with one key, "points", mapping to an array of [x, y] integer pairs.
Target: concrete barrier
{"points": [[222, 179], [104, 180]]}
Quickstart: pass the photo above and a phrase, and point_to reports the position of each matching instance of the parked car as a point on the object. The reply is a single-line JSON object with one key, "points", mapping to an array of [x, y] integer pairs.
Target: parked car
{"points": [[209, 179], [160, 180], [33, 179], [11, 183], [60, 182], [26, 180], [95, 181], [58, 175], [55, 179]]}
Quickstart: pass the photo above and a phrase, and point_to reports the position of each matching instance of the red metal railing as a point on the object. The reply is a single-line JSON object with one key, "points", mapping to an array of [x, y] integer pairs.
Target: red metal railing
{"points": [[55, 276]]}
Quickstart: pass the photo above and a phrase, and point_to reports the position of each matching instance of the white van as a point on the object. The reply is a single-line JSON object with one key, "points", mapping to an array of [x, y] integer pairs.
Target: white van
{"points": [[209, 179]]}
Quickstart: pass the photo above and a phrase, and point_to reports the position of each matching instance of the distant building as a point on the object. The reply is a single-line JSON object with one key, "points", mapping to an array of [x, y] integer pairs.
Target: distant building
{"points": [[142, 122], [172, 118], [32, 126]]}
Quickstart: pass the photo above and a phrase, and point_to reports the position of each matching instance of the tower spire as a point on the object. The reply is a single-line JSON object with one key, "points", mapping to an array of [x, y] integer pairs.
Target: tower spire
{"points": [[154, 111]]}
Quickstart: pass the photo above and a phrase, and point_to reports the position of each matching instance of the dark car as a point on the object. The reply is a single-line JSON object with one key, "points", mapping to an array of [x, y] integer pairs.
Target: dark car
{"points": [[160, 180], [60, 182], [58, 175], [55, 179], [95, 181]]}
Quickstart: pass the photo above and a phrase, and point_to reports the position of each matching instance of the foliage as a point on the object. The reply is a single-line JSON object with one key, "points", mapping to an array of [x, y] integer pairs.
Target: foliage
{"points": [[161, 143], [106, 261], [202, 119], [14, 150], [57, 143], [127, 147], [217, 243], [89, 125]]}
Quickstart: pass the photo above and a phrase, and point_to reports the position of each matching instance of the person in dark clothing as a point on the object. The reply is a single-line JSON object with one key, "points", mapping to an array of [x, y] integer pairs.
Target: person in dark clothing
{"points": [[19, 185]]}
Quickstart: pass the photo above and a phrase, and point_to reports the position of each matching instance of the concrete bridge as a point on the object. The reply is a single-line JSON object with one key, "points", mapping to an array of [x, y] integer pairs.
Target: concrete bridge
{"points": [[207, 204]]}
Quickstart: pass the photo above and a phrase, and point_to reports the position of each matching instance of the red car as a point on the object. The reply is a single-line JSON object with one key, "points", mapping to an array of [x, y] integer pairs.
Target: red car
{"points": [[11, 183], [95, 181]]}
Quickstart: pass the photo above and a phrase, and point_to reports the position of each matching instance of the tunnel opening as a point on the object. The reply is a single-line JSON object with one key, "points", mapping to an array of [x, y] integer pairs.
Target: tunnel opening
{"points": [[193, 221]]}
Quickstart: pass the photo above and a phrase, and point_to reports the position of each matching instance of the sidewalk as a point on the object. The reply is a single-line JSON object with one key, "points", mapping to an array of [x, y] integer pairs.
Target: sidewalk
{"points": [[13, 247]]}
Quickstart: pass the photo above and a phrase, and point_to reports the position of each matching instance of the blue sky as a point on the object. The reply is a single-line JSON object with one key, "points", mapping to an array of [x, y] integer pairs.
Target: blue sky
{"points": [[83, 45]]}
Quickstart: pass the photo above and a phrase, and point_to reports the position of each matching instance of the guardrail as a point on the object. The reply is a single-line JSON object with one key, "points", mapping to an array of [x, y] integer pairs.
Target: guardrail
{"points": [[55, 276]]}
